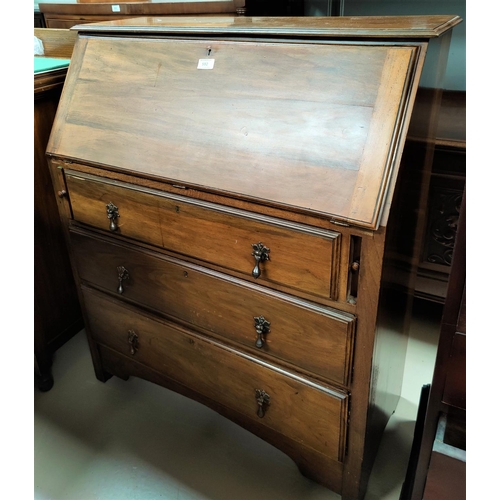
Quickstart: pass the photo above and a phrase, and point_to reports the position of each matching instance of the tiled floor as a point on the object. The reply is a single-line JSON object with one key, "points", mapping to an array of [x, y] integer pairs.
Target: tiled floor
{"points": [[134, 440]]}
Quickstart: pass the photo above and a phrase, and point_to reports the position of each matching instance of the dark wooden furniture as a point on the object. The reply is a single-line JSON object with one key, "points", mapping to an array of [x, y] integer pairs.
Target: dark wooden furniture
{"points": [[243, 221], [440, 467], [39, 21], [57, 310], [444, 199], [65, 15]]}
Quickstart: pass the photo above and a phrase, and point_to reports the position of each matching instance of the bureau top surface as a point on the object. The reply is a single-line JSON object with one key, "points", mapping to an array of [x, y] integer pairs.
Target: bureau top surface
{"points": [[311, 126], [415, 27]]}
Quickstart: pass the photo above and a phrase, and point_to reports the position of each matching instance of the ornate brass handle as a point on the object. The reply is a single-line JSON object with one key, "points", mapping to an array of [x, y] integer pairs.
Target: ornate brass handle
{"points": [[112, 212], [263, 401], [133, 341], [261, 254], [123, 274], [262, 328]]}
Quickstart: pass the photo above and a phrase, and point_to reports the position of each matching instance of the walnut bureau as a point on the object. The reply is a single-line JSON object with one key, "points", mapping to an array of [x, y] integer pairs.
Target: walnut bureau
{"points": [[243, 219]]}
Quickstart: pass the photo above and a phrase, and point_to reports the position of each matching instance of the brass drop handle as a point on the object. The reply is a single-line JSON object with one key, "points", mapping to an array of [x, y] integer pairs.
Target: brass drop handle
{"points": [[133, 341], [123, 275], [112, 212], [262, 327], [261, 254], [263, 401]]}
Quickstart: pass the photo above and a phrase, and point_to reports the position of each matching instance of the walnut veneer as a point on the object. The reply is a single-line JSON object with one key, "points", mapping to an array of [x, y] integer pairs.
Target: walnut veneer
{"points": [[243, 221]]}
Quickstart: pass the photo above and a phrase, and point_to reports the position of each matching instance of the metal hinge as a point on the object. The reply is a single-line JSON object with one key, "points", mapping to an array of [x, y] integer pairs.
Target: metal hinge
{"points": [[338, 223]]}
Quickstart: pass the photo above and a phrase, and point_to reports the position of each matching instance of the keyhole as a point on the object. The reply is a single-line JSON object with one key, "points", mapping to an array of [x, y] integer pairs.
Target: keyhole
{"points": [[209, 50]]}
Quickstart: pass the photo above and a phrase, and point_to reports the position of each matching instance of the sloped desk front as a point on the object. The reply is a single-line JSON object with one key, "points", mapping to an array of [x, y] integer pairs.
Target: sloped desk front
{"points": [[234, 200]]}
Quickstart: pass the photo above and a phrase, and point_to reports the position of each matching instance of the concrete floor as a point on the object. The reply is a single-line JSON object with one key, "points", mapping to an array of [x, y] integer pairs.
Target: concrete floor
{"points": [[134, 440]]}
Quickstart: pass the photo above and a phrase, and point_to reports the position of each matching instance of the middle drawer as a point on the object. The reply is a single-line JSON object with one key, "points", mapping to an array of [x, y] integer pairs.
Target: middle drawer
{"points": [[314, 338]]}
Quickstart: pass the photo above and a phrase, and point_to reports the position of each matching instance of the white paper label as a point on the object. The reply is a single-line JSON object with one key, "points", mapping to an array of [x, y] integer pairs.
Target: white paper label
{"points": [[206, 63], [115, 8]]}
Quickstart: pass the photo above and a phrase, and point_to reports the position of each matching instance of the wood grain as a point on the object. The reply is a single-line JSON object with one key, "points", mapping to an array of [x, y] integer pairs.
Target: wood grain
{"points": [[360, 27], [139, 8], [66, 15], [297, 130], [321, 150], [315, 339], [316, 466], [57, 42], [311, 414], [300, 257]]}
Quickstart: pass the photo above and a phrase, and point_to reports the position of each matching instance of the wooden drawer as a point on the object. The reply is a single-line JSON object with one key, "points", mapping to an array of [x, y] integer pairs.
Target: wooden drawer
{"points": [[138, 214], [311, 414], [316, 339], [300, 257]]}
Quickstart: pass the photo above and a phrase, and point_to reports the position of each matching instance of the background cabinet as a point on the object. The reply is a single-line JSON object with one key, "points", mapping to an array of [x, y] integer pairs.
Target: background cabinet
{"points": [[437, 467], [66, 15], [57, 309]]}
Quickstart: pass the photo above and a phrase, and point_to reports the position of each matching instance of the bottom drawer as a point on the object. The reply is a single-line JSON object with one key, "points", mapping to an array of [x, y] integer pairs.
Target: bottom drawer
{"points": [[309, 413]]}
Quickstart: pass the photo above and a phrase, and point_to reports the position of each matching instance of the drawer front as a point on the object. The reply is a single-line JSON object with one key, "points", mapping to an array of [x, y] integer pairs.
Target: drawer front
{"points": [[312, 415], [297, 256], [316, 339], [136, 215]]}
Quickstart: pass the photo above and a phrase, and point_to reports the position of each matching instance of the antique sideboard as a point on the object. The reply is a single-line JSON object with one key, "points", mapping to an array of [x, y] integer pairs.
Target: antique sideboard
{"points": [[244, 220]]}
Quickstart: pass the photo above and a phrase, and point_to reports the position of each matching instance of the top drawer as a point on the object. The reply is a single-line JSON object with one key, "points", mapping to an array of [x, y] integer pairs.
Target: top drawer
{"points": [[264, 248]]}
